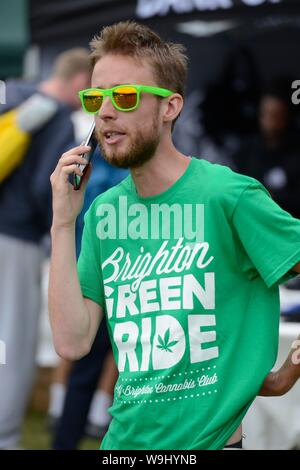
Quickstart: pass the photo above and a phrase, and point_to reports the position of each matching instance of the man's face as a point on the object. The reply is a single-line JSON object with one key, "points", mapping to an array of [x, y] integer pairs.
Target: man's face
{"points": [[73, 85], [137, 133], [79, 81]]}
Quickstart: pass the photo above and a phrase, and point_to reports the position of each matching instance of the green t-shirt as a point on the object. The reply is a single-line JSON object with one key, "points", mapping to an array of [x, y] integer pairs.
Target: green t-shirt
{"points": [[188, 280]]}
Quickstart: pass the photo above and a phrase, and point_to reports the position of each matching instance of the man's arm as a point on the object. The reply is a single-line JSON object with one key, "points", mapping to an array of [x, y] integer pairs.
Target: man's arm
{"points": [[74, 319], [280, 382]]}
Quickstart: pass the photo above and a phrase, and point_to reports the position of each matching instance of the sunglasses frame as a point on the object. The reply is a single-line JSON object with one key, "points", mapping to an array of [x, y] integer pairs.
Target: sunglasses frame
{"points": [[162, 92]]}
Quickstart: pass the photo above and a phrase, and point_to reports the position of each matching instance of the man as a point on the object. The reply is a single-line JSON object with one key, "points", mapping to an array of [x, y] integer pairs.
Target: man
{"points": [[25, 217], [184, 257], [273, 155]]}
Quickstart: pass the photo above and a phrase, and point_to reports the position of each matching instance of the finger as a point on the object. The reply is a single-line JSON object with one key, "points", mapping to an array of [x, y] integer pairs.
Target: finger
{"points": [[67, 171], [77, 150], [58, 180], [71, 159]]}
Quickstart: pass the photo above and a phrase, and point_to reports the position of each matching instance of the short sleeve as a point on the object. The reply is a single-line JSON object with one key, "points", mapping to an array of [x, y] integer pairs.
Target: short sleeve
{"points": [[270, 236], [89, 262]]}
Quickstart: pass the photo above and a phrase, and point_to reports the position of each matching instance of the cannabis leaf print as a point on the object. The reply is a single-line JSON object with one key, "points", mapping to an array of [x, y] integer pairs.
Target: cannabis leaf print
{"points": [[165, 344]]}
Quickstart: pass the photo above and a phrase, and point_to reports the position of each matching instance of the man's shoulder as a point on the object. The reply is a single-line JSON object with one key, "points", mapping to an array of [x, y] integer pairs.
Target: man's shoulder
{"points": [[222, 184], [218, 176]]}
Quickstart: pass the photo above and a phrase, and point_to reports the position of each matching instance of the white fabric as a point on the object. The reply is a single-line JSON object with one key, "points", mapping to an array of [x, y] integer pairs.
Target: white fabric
{"points": [[46, 355], [57, 395], [98, 410]]}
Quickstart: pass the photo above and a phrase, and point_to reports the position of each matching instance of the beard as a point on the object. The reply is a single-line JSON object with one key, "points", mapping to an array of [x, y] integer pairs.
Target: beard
{"points": [[141, 150]]}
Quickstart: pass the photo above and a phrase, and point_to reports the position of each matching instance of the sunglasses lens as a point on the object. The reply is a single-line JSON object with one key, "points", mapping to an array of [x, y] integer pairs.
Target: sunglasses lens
{"points": [[125, 97], [92, 101]]}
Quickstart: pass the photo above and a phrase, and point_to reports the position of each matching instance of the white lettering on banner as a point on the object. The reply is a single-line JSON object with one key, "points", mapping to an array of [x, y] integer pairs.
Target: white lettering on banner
{"points": [[168, 344], [255, 3], [148, 8]]}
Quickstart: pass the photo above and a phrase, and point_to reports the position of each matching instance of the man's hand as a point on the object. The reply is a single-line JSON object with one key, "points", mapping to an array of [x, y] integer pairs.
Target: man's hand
{"points": [[67, 203], [280, 382]]}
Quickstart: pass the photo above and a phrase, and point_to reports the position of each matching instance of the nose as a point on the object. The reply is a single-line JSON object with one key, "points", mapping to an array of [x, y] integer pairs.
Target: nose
{"points": [[107, 110]]}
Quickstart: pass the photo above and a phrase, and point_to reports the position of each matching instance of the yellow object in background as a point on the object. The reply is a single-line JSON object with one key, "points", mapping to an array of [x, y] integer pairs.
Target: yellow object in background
{"points": [[14, 143]]}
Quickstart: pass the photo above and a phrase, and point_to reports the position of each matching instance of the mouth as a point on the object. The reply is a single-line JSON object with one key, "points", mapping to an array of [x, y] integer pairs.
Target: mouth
{"points": [[113, 137]]}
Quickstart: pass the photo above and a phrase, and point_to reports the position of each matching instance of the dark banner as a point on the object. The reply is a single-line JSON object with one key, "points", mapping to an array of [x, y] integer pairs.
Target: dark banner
{"points": [[56, 20], [75, 20]]}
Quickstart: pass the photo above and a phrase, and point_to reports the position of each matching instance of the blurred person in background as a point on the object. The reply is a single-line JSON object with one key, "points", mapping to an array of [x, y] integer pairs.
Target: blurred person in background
{"points": [[229, 107], [273, 155], [25, 217]]}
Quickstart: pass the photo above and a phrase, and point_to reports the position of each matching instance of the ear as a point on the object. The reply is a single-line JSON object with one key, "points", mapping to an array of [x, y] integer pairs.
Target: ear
{"points": [[172, 107]]}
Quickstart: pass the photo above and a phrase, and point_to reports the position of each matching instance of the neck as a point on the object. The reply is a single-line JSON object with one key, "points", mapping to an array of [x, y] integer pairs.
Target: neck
{"points": [[162, 171]]}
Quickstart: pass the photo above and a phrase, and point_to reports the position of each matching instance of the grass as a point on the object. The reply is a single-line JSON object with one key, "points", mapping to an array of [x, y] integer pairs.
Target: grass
{"points": [[35, 435]]}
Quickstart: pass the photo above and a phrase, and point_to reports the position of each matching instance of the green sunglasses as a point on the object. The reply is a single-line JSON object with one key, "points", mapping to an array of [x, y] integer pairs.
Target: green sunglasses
{"points": [[123, 97]]}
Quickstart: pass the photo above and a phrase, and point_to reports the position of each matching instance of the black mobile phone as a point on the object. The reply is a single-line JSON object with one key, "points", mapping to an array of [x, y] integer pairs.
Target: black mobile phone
{"points": [[91, 141]]}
